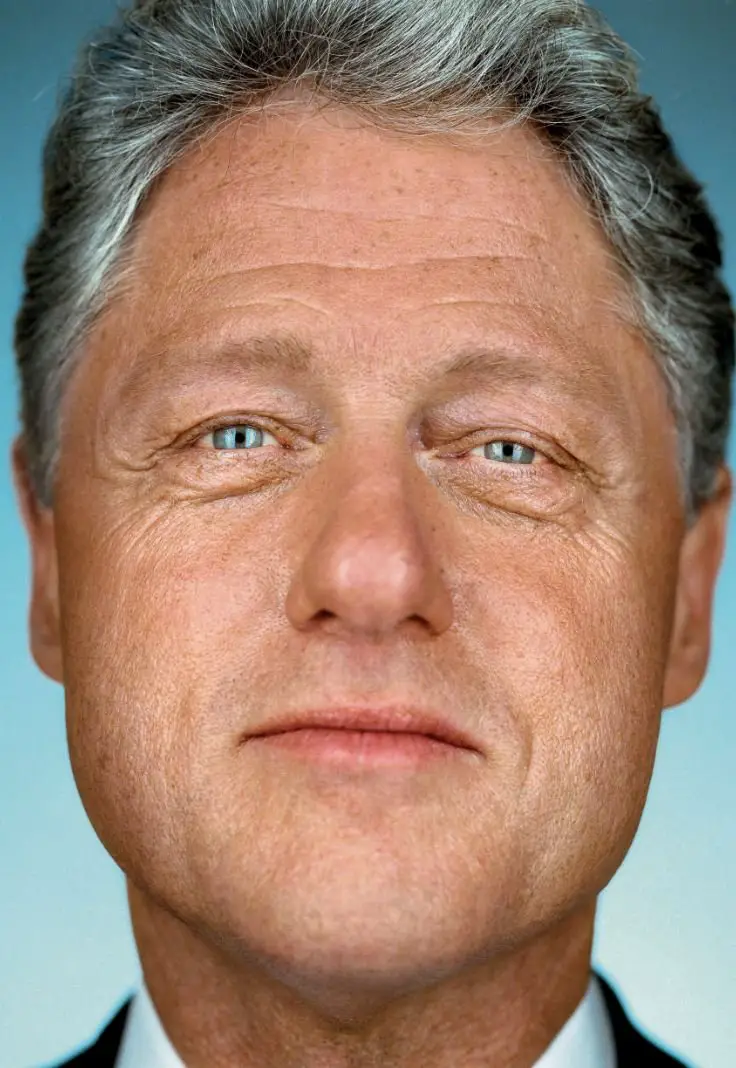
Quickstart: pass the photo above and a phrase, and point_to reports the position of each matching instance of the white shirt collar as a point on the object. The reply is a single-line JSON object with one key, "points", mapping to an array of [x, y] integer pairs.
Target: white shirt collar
{"points": [[585, 1041], [145, 1044]]}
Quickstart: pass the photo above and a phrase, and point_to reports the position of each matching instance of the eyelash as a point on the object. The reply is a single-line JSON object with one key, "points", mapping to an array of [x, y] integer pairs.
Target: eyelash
{"points": [[226, 425]]}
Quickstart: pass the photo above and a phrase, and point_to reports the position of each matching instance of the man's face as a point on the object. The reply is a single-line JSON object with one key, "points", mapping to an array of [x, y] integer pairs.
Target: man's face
{"points": [[367, 549]]}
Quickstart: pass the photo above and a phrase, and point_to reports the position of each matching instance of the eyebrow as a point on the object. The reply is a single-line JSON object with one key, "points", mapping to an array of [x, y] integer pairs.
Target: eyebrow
{"points": [[588, 389], [287, 352]]}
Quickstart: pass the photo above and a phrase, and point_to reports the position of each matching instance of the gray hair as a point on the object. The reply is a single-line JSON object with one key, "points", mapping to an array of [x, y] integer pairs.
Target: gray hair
{"points": [[168, 72]]}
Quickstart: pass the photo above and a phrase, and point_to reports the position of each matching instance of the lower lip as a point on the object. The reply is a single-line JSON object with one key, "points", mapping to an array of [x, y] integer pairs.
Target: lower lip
{"points": [[361, 749]]}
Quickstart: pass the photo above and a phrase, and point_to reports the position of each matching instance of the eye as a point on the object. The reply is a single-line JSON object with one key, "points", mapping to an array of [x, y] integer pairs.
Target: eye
{"points": [[246, 437], [508, 452], [243, 436]]}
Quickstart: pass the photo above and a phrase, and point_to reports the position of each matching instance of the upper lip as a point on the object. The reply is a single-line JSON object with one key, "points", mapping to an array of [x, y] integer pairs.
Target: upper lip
{"points": [[400, 718]]}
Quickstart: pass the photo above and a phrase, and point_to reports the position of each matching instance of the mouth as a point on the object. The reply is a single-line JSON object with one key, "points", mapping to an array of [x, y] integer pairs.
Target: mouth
{"points": [[360, 749], [396, 719], [397, 737]]}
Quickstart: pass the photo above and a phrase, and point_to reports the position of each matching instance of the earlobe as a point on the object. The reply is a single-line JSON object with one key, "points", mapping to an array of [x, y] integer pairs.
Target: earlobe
{"points": [[43, 618], [700, 561]]}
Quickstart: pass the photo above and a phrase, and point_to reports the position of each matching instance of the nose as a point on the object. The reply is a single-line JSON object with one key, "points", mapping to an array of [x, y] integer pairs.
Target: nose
{"points": [[372, 563]]}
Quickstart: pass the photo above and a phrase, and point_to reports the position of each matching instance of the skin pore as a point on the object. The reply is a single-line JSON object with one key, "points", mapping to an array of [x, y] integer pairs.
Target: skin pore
{"points": [[367, 549]]}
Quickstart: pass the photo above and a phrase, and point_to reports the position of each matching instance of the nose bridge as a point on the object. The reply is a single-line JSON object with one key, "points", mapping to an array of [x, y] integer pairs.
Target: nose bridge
{"points": [[372, 465], [374, 508], [371, 560]]}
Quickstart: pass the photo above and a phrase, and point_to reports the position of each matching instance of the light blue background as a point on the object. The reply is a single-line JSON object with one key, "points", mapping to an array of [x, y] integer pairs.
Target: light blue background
{"points": [[666, 935]]}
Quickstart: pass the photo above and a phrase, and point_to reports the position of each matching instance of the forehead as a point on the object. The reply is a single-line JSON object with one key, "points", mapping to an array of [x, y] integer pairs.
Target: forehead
{"points": [[379, 249], [347, 211]]}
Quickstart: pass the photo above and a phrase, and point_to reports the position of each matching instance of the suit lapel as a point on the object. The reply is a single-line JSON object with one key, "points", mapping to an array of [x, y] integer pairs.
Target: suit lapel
{"points": [[632, 1048], [103, 1053]]}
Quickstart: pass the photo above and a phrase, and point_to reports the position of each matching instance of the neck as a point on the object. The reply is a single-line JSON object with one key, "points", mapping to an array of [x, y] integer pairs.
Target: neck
{"points": [[221, 1008]]}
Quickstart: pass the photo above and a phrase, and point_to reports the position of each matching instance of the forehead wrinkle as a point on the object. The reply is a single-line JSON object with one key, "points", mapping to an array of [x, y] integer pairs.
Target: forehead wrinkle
{"points": [[404, 216], [201, 284]]}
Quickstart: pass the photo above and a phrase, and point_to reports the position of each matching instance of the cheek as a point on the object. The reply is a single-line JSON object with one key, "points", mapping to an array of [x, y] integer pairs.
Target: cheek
{"points": [[121, 733], [593, 673], [125, 652], [614, 641], [155, 622]]}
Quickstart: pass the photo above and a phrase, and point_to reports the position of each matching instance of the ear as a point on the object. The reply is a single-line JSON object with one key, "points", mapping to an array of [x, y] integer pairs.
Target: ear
{"points": [[45, 634], [700, 559]]}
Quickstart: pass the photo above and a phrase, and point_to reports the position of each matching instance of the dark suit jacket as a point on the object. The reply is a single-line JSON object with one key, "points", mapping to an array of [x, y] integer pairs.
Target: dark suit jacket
{"points": [[632, 1049]]}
